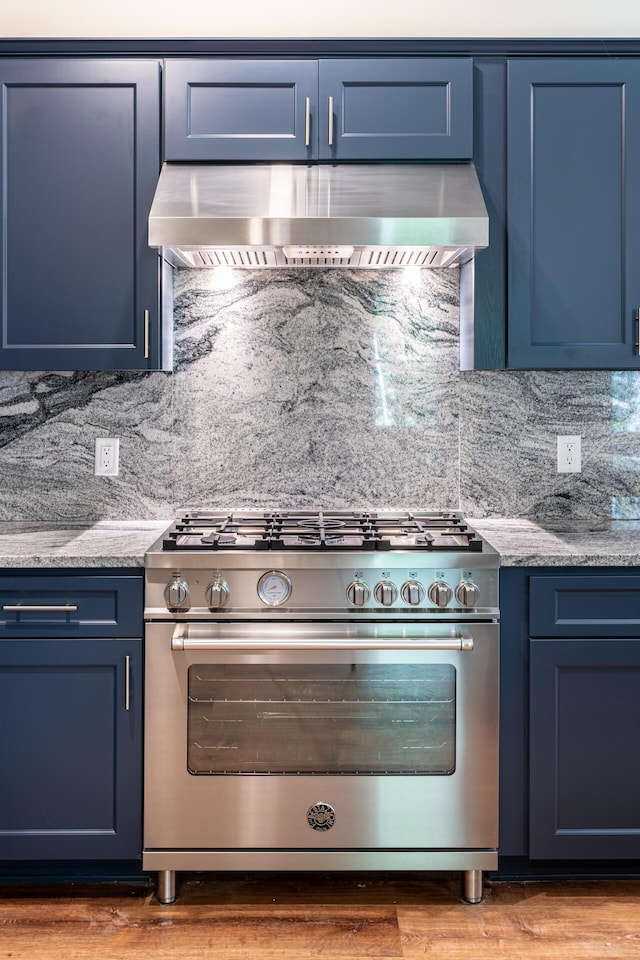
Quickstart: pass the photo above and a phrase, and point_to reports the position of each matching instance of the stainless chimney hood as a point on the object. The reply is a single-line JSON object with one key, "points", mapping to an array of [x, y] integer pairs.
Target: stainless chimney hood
{"points": [[368, 216]]}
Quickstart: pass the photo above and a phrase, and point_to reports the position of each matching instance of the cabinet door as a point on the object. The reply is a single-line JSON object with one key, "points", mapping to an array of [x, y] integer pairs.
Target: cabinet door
{"points": [[80, 157], [573, 213], [240, 109], [584, 749], [409, 108], [70, 749]]}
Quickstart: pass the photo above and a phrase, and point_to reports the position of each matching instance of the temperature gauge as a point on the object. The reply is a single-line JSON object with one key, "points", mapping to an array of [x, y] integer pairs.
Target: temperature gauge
{"points": [[274, 588]]}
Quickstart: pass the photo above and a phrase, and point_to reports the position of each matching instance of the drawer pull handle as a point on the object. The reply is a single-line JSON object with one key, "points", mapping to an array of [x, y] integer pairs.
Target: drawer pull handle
{"points": [[40, 608], [127, 682], [307, 121]]}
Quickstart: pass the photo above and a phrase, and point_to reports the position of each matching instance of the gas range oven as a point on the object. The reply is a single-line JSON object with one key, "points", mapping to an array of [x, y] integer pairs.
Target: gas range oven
{"points": [[321, 694]]}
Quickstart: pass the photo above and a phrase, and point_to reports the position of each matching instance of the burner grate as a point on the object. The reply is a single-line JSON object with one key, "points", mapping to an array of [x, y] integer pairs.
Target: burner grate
{"points": [[321, 530]]}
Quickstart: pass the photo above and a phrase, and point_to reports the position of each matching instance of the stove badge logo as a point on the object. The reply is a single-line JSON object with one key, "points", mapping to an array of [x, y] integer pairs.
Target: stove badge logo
{"points": [[321, 816]]}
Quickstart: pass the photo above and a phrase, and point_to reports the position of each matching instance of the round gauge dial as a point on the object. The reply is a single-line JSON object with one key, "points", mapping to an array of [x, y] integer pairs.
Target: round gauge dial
{"points": [[274, 588]]}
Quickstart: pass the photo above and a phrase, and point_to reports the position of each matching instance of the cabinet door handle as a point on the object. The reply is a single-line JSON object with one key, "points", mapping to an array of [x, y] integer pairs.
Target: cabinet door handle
{"points": [[39, 608], [307, 121], [146, 334], [636, 317], [330, 121], [127, 682]]}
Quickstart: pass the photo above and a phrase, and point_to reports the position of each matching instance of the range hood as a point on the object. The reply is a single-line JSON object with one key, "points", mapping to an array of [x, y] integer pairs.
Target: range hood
{"points": [[368, 216]]}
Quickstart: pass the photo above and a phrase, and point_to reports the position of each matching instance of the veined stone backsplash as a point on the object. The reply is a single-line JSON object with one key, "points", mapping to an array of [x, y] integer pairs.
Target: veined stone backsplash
{"points": [[318, 389]]}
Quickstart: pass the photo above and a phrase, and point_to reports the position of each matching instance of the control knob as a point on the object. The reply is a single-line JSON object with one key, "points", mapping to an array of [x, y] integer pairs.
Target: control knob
{"points": [[176, 592], [385, 593], [412, 592], [358, 593], [440, 593], [467, 593], [217, 594]]}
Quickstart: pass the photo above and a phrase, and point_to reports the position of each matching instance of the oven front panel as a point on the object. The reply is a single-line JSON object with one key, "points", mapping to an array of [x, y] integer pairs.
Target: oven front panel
{"points": [[337, 747]]}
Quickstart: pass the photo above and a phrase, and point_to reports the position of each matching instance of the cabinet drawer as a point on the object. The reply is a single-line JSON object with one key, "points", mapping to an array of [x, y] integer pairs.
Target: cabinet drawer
{"points": [[584, 606], [70, 606]]}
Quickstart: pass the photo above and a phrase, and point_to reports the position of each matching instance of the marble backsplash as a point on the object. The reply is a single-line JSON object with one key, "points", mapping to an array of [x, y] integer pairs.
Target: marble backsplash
{"points": [[318, 388]]}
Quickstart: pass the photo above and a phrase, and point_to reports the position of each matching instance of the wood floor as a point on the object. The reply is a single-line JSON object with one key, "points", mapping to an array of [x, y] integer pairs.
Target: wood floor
{"points": [[331, 917]]}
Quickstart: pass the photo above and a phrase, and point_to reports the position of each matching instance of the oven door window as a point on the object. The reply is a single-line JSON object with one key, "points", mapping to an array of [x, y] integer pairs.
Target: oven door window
{"points": [[393, 719]]}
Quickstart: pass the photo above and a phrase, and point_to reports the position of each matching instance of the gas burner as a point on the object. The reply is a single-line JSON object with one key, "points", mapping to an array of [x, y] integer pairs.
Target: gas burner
{"points": [[321, 521]]}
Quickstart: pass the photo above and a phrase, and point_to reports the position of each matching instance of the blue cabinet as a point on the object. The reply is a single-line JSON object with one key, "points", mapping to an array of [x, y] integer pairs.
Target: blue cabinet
{"points": [[409, 108], [71, 718], [59, 605], [573, 213], [239, 109], [585, 749], [80, 149], [570, 715], [397, 109]]}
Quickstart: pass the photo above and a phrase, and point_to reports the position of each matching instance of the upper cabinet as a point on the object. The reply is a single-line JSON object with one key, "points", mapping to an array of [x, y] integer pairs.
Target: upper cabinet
{"points": [[80, 156], [400, 108], [239, 109], [573, 213]]}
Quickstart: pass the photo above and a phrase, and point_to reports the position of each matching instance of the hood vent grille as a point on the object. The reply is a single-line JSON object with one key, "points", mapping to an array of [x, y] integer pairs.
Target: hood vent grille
{"points": [[363, 258], [245, 258]]}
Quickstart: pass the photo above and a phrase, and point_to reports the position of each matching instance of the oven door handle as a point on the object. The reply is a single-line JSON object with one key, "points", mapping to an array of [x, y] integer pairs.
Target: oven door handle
{"points": [[181, 641]]}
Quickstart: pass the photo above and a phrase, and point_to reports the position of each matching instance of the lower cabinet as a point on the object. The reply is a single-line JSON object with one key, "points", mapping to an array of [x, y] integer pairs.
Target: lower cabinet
{"points": [[584, 741], [70, 749], [71, 686], [570, 715]]}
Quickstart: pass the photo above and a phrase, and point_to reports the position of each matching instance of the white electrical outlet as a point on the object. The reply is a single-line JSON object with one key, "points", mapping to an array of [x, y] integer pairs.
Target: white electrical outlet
{"points": [[569, 454], [107, 456]]}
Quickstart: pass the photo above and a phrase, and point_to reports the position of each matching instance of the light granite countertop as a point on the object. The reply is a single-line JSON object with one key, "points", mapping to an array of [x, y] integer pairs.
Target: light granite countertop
{"points": [[520, 543], [105, 543], [579, 543]]}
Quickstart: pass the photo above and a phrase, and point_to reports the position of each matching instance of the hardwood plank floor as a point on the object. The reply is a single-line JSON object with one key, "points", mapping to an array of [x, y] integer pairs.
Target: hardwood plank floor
{"points": [[327, 916]]}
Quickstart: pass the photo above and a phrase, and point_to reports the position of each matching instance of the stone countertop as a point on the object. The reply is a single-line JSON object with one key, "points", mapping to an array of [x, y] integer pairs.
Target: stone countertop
{"points": [[520, 543], [569, 543], [105, 543]]}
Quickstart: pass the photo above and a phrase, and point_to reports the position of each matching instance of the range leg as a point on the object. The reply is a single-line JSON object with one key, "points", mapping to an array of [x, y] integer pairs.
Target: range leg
{"points": [[472, 886], [166, 886]]}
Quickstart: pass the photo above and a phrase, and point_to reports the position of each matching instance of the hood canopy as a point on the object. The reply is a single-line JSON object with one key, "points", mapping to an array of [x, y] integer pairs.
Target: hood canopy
{"points": [[357, 215]]}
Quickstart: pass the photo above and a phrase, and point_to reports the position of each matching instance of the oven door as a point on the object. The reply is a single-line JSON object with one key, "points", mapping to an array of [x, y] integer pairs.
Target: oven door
{"points": [[325, 736]]}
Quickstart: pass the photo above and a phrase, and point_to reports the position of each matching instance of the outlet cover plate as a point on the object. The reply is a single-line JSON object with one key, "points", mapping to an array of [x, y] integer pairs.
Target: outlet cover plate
{"points": [[569, 454], [107, 459]]}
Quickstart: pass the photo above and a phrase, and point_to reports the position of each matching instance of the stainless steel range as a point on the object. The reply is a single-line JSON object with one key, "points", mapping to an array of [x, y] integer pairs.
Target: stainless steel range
{"points": [[321, 694]]}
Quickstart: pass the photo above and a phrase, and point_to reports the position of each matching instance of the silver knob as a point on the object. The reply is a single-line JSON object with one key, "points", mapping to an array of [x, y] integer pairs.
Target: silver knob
{"points": [[467, 593], [176, 593], [412, 593], [440, 593], [217, 593], [386, 593], [358, 593]]}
